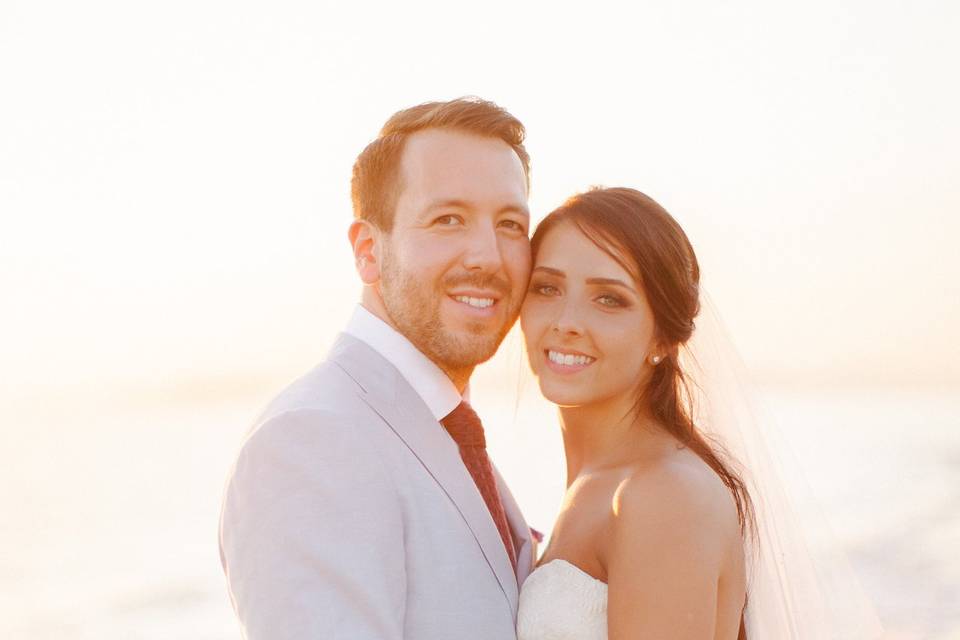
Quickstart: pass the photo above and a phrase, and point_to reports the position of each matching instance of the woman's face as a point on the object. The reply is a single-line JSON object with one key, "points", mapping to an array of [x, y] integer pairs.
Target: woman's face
{"points": [[588, 327]]}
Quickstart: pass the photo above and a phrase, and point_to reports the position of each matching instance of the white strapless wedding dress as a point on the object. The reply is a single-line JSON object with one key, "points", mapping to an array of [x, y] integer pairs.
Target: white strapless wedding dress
{"points": [[558, 601]]}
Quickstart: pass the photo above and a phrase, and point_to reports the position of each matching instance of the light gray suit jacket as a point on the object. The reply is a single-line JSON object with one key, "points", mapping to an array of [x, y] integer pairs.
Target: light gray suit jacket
{"points": [[349, 514]]}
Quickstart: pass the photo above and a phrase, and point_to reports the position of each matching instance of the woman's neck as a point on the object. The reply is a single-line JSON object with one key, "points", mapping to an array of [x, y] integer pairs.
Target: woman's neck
{"points": [[604, 435]]}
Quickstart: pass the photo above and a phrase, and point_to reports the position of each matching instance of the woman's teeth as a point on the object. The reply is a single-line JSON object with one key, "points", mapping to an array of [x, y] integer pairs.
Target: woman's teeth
{"points": [[479, 303], [568, 359]]}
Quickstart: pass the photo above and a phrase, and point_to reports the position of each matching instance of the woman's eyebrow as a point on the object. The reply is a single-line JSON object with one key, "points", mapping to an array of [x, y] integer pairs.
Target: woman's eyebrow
{"points": [[551, 271], [611, 281], [607, 281]]}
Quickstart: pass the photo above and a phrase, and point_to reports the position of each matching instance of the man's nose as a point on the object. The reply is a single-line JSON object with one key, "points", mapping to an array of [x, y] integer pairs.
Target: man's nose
{"points": [[483, 251]]}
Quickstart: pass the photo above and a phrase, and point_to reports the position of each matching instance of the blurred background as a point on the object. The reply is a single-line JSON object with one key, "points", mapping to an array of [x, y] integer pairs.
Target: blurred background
{"points": [[173, 209]]}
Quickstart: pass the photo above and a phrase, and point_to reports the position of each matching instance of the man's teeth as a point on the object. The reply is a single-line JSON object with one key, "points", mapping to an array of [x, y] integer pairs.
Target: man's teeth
{"points": [[568, 359], [479, 303]]}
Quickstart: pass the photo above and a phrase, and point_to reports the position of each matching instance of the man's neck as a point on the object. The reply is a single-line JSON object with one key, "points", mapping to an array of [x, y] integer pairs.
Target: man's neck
{"points": [[460, 377]]}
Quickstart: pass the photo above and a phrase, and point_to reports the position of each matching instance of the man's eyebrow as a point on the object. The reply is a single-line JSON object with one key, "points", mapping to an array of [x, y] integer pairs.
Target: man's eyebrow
{"points": [[516, 208], [451, 203]]}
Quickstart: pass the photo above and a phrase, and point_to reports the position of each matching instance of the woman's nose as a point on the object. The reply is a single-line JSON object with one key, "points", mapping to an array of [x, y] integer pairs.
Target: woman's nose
{"points": [[568, 321]]}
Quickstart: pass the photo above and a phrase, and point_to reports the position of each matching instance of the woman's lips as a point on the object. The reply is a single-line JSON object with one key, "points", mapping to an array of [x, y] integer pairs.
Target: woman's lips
{"points": [[563, 361]]}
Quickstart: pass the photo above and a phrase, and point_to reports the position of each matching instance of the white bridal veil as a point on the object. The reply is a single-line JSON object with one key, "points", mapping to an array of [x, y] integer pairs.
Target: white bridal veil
{"points": [[800, 585]]}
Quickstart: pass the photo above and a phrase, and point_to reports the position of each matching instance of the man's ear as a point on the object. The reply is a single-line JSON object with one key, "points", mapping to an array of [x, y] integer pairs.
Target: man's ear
{"points": [[365, 239]]}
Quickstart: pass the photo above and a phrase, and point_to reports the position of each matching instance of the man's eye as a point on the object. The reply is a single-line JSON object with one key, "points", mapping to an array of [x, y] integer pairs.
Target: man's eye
{"points": [[513, 225], [447, 221]]}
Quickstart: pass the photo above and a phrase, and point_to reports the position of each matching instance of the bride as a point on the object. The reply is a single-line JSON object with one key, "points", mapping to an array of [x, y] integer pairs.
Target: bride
{"points": [[650, 539], [662, 532]]}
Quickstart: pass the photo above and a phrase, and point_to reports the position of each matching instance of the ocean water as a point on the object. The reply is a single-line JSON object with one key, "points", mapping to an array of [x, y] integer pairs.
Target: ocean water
{"points": [[110, 515]]}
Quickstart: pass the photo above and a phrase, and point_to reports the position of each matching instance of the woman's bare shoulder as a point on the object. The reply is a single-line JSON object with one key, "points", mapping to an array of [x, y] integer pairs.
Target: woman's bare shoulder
{"points": [[675, 492]]}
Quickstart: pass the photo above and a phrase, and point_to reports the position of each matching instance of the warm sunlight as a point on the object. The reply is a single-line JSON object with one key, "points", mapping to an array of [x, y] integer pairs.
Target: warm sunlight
{"points": [[174, 182]]}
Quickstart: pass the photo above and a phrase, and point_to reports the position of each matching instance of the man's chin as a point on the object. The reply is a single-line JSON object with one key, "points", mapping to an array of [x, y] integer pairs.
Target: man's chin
{"points": [[461, 350]]}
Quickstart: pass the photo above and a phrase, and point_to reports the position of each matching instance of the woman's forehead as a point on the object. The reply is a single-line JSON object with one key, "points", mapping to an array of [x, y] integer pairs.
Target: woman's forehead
{"points": [[584, 253]]}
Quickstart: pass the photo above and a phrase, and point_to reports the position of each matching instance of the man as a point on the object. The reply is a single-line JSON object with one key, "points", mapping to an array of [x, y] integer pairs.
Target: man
{"points": [[362, 505]]}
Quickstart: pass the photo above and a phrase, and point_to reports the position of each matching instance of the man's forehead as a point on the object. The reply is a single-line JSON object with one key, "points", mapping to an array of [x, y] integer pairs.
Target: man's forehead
{"points": [[439, 150], [460, 169]]}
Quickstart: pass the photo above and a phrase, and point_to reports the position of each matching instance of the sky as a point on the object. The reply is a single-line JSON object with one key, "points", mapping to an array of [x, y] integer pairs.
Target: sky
{"points": [[174, 177]]}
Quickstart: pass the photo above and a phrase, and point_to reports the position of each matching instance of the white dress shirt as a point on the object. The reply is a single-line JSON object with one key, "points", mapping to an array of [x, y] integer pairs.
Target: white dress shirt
{"points": [[426, 378]]}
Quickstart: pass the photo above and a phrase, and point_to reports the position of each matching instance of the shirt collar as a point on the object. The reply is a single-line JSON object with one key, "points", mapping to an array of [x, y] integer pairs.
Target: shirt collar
{"points": [[427, 379]]}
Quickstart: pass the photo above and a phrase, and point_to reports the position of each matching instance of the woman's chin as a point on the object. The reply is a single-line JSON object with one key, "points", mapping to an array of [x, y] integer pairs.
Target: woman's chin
{"points": [[562, 394]]}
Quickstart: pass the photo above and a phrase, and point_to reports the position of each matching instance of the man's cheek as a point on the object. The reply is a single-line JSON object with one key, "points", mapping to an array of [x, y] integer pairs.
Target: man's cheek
{"points": [[518, 260]]}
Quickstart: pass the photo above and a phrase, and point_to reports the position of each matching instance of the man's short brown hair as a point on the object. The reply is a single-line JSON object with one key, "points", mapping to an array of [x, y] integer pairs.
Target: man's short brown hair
{"points": [[375, 184]]}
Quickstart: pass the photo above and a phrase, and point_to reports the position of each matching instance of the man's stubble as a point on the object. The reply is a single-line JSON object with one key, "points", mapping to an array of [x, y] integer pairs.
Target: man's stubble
{"points": [[415, 311]]}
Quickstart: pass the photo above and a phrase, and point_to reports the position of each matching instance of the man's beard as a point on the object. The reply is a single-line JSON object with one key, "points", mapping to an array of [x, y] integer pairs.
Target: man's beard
{"points": [[415, 311]]}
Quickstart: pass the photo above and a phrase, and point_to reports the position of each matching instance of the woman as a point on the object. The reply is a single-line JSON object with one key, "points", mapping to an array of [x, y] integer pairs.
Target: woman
{"points": [[649, 542]]}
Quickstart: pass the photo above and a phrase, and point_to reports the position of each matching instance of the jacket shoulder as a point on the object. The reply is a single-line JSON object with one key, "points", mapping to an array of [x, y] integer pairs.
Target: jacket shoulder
{"points": [[318, 420], [326, 389]]}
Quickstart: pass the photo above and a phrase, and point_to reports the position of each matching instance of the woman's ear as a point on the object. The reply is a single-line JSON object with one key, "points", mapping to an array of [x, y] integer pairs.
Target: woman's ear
{"points": [[365, 239], [658, 352]]}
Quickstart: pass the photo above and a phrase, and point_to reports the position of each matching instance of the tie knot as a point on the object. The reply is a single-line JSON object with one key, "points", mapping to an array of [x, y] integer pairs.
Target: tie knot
{"points": [[463, 425]]}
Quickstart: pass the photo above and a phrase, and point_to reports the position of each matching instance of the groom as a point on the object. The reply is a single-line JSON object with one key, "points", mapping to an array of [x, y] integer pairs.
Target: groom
{"points": [[362, 505]]}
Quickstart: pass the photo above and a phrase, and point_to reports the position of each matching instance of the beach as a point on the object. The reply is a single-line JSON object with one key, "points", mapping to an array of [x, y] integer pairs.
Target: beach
{"points": [[111, 515]]}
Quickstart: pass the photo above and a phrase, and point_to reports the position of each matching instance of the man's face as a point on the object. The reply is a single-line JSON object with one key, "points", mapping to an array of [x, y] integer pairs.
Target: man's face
{"points": [[455, 266]]}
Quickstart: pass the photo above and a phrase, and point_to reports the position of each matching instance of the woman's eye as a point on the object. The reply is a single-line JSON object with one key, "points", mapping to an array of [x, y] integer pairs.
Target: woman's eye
{"points": [[608, 300], [544, 289], [447, 221]]}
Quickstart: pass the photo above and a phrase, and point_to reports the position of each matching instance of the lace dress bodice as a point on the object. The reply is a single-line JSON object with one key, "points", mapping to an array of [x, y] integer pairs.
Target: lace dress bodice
{"points": [[559, 601]]}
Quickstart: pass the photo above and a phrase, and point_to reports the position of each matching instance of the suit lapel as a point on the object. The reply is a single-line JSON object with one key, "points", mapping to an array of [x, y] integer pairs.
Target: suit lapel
{"points": [[519, 529], [394, 400]]}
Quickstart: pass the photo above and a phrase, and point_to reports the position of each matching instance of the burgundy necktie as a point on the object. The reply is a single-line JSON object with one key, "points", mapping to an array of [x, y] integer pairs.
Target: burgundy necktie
{"points": [[464, 427]]}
